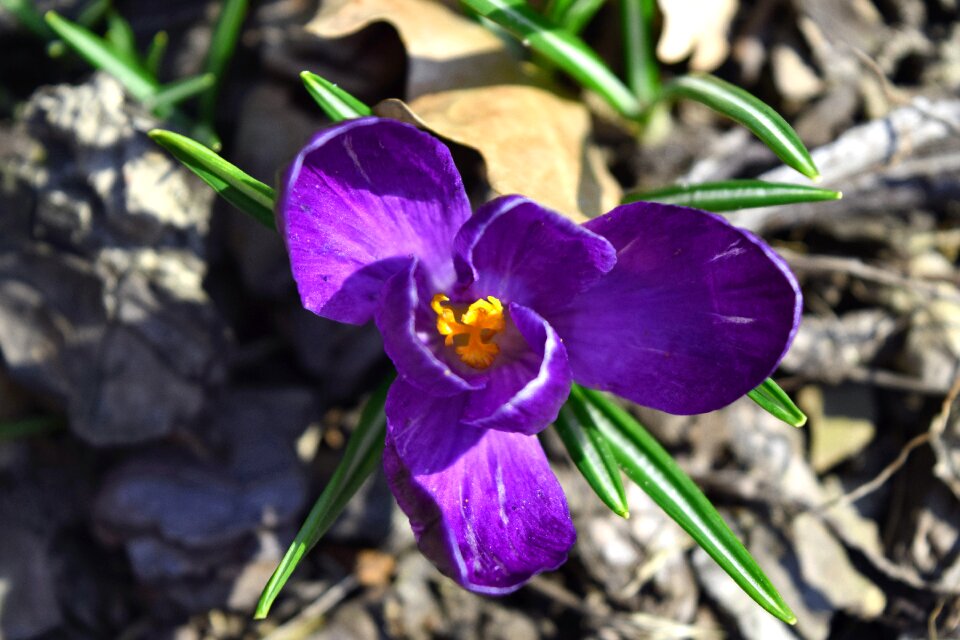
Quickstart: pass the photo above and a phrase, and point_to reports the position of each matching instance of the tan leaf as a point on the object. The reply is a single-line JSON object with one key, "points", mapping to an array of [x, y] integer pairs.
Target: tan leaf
{"points": [[445, 49], [534, 143], [464, 85], [696, 28]]}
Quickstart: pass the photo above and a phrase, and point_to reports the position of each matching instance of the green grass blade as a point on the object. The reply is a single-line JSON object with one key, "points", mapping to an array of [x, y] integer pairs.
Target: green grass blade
{"points": [[30, 427], [591, 453], [176, 92], [651, 467], [730, 195], [362, 455], [154, 57], [222, 45], [102, 55], [777, 403], [27, 14], [744, 108], [564, 49], [239, 189], [579, 15], [93, 12], [335, 102], [572, 15], [556, 10], [643, 73], [120, 36]]}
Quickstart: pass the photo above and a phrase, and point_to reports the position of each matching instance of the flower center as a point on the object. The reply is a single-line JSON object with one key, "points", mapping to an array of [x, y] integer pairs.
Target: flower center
{"points": [[472, 334]]}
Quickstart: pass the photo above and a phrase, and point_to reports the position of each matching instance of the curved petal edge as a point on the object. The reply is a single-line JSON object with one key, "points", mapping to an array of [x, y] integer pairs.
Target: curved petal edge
{"points": [[356, 202], [524, 395], [484, 506], [695, 314]]}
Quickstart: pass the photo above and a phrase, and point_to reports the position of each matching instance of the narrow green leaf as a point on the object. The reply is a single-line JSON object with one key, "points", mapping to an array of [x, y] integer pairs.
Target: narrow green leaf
{"points": [[176, 92], [30, 427], [101, 55], [120, 36], [158, 48], [643, 72], [744, 108], [572, 15], [777, 403], [27, 14], [239, 189], [556, 10], [335, 102], [93, 12], [222, 45], [568, 52], [579, 15], [730, 195], [360, 458], [651, 467], [591, 453]]}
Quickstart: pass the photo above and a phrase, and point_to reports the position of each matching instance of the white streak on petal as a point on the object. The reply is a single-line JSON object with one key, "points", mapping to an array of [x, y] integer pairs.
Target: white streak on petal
{"points": [[348, 146], [732, 251], [733, 319], [501, 494]]}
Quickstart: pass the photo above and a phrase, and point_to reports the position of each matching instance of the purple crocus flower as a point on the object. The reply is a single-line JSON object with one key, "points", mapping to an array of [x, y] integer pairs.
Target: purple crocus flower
{"points": [[489, 318]]}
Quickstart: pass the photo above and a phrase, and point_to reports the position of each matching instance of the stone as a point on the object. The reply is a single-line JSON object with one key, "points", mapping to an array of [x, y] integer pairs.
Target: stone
{"points": [[101, 277], [204, 526]]}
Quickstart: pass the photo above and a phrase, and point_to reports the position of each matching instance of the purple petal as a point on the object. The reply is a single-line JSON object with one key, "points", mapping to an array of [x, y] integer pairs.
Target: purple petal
{"points": [[695, 314], [484, 505], [520, 252], [359, 199], [410, 349], [526, 387]]}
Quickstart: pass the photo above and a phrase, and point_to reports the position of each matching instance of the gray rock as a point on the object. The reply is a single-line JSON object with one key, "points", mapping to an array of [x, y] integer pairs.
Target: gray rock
{"points": [[196, 523], [411, 609], [101, 268], [39, 499], [349, 622], [28, 604], [341, 355], [507, 624]]}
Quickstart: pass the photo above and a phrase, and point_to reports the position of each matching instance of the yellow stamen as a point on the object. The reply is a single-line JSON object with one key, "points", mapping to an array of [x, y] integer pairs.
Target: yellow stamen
{"points": [[479, 323]]}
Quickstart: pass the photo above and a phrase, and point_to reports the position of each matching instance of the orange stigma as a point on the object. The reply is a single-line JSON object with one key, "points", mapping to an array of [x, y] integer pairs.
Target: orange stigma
{"points": [[479, 324]]}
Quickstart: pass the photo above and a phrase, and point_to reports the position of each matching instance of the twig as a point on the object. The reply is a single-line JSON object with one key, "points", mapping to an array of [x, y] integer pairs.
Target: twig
{"points": [[819, 264], [880, 479], [892, 380], [305, 622], [873, 145], [932, 620]]}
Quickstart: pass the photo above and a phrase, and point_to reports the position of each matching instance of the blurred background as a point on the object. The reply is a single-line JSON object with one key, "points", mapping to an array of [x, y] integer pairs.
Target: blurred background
{"points": [[169, 412]]}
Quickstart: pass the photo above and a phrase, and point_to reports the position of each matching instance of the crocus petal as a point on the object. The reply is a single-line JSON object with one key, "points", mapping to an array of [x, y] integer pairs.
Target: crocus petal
{"points": [[484, 505], [525, 389], [695, 314], [356, 201], [410, 349], [516, 250]]}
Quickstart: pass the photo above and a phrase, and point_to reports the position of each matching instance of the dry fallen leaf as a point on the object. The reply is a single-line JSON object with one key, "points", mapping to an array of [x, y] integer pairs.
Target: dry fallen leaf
{"points": [[696, 28], [445, 49], [464, 85], [534, 143]]}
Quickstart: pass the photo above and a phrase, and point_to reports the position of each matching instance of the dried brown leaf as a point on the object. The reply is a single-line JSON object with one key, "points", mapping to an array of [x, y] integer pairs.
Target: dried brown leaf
{"points": [[464, 85], [445, 49], [534, 143]]}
